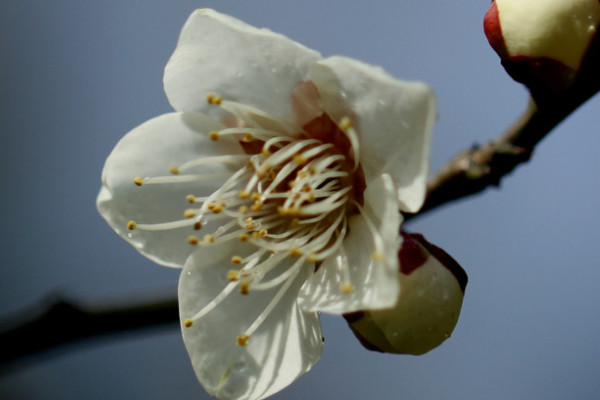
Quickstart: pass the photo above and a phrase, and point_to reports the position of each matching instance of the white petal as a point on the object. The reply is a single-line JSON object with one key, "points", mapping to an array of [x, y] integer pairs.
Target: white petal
{"points": [[394, 120], [148, 151], [375, 283], [286, 345], [219, 54]]}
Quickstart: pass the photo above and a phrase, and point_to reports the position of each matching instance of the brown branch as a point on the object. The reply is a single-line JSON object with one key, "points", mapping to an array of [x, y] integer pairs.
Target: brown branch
{"points": [[479, 167], [65, 322]]}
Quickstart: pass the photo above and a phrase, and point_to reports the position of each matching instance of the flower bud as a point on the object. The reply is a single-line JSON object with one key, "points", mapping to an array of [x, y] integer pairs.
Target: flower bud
{"points": [[432, 286], [542, 43]]}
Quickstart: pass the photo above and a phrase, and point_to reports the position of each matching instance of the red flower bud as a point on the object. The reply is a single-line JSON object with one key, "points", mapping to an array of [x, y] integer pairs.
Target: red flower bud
{"points": [[432, 285], [542, 44]]}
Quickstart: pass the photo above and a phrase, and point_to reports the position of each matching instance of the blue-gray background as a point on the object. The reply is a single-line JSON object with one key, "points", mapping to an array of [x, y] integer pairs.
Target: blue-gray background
{"points": [[77, 75]]}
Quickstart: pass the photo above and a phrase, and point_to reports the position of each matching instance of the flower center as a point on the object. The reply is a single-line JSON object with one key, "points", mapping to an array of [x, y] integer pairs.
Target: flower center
{"points": [[290, 197]]}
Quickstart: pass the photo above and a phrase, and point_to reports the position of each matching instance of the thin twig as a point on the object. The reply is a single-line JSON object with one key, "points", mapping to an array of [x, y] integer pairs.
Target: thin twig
{"points": [[65, 322], [480, 167]]}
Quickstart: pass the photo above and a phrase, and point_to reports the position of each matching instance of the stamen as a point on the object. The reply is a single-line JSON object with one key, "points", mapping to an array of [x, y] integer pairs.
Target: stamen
{"points": [[293, 270], [228, 159], [346, 126], [258, 117], [325, 237], [193, 240], [165, 226], [212, 99], [233, 275], [174, 170], [244, 288], [347, 288], [285, 153], [209, 239], [131, 225], [236, 259], [269, 308], [189, 213], [242, 340], [295, 252], [179, 178]]}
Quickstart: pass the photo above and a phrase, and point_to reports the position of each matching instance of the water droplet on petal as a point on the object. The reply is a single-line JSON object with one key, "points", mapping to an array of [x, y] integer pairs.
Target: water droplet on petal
{"points": [[239, 367]]}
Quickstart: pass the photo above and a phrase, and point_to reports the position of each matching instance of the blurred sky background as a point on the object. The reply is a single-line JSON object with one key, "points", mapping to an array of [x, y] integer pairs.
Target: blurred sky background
{"points": [[75, 76]]}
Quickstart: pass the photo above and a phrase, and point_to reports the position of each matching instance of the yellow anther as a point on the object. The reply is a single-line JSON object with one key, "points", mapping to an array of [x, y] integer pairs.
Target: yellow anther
{"points": [[244, 237], [243, 194], [377, 256], [255, 196], [217, 208], [298, 159], [138, 180], [214, 135], [347, 288], [306, 188], [236, 259], [212, 99], [211, 206], [233, 275], [263, 232], [313, 257], [301, 174], [265, 152], [242, 340], [188, 323], [189, 213], [243, 209], [209, 239], [190, 198], [282, 211], [131, 225], [197, 226], [248, 138], [174, 170], [345, 124], [193, 240], [255, 235], [257, 206], [244, 288], [295, 252]]}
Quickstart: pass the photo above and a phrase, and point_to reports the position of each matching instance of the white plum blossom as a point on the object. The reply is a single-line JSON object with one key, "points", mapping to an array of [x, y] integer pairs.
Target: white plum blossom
{"points": [[276, 184]]}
